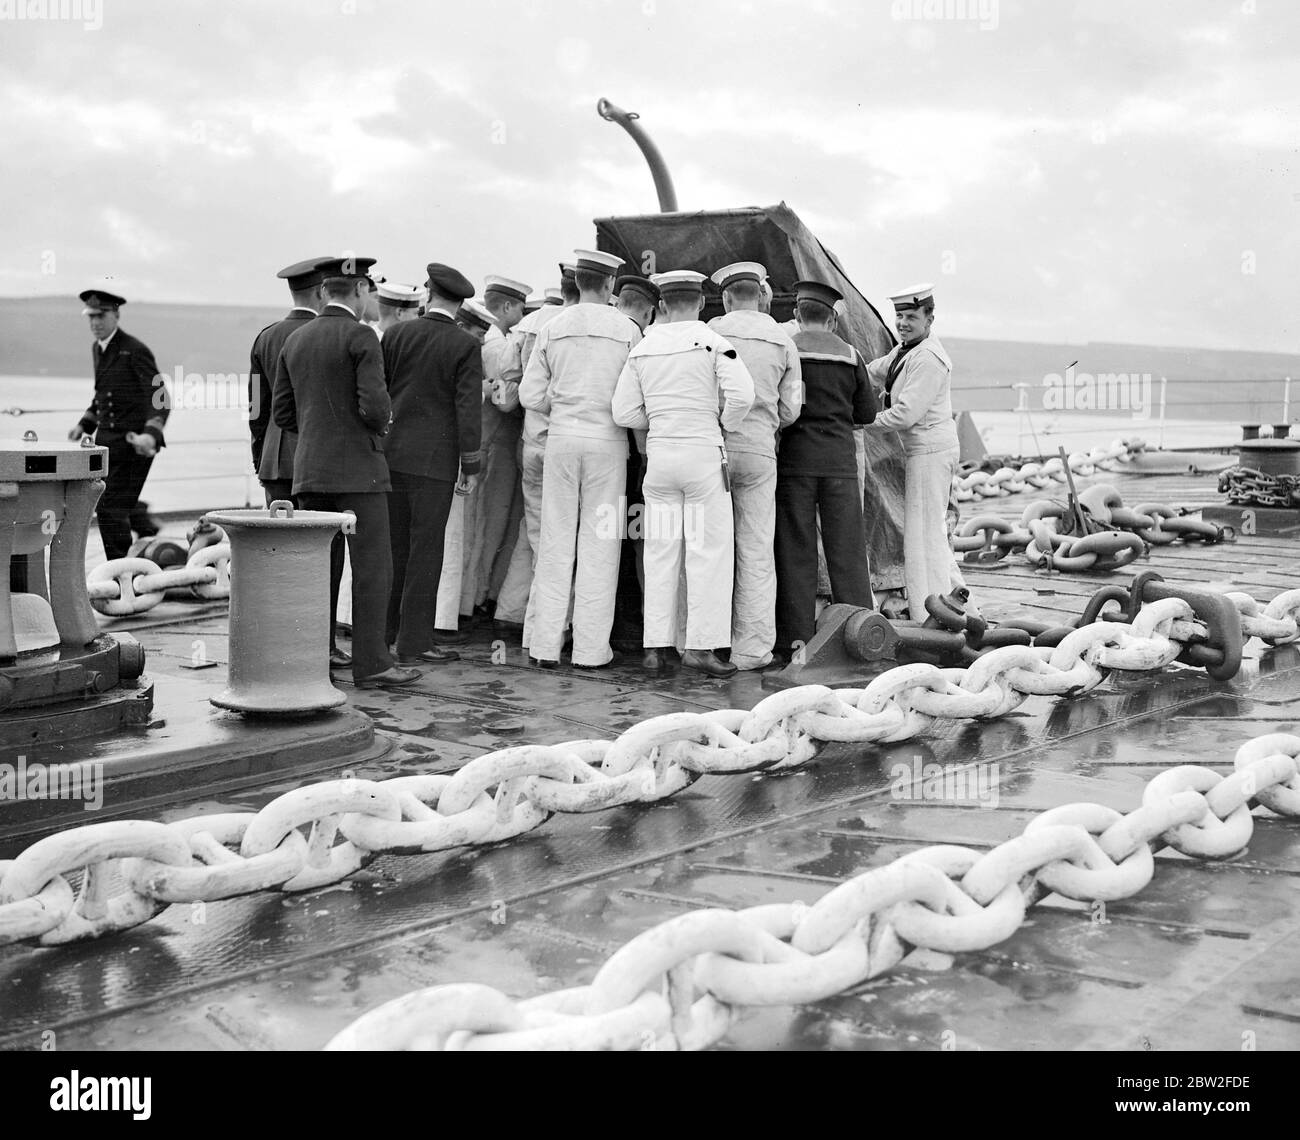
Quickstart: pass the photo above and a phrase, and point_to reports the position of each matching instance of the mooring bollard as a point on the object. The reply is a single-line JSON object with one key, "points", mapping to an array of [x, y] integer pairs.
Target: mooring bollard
{"points": [[279, 609]]}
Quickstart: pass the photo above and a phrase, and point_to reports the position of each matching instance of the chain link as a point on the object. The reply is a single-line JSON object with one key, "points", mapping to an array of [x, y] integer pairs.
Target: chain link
{"points": [[682, 985], [1010, 480], [1249, 487], [126, 586]]}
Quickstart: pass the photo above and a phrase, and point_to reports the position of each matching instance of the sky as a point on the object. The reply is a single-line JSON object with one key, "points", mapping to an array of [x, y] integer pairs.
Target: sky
{"points": [[1112, 170]]}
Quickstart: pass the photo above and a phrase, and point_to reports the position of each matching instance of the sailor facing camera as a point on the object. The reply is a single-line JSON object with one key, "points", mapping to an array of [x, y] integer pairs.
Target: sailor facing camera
{"points": [[914, 379]]}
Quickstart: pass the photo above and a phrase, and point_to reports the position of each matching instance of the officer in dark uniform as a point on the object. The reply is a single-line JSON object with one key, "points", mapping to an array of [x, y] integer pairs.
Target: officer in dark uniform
{"points": [[273, 448], [435, 378], [127, 416], [329, 388]]}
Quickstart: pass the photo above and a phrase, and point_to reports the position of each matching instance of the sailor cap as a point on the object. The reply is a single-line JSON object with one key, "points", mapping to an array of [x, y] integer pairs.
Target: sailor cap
{"points": [[679, 281], [514, 289], [400, 296], [568, 268], [553, 296], [597, 262], [912, 296], [738, 271], [346, 267], [476, 314], [817, 291], [304, 274], [447, 281], [648, 289]]}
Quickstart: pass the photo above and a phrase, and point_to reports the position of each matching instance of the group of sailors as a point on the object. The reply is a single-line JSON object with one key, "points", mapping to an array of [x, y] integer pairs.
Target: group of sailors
{"points": [[594, 465]]}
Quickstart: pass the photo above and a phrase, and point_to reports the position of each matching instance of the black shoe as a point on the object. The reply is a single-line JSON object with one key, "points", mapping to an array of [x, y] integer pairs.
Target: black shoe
{"points": [[339, 659], [393, 676], [655, 660], [450, 636], [612, 663], [434, 656], [706, 661], [541, 663]]}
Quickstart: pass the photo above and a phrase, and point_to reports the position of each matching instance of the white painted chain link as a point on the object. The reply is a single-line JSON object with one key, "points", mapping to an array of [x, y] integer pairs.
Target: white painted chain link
{"points": [[945, 897], [1010, 480], [682, 983], [125, 586]]}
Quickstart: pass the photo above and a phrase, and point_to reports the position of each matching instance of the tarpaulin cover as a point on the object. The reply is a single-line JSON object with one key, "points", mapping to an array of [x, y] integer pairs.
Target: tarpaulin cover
{"points": [[774, 236]]}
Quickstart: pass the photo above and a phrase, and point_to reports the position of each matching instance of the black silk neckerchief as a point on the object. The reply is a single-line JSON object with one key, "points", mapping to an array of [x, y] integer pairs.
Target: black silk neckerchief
{"points": [[896, 367]]}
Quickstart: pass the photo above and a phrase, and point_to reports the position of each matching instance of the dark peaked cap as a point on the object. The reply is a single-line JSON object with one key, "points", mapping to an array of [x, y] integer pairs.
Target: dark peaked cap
{"points": [[304, 274], [449, 282]]}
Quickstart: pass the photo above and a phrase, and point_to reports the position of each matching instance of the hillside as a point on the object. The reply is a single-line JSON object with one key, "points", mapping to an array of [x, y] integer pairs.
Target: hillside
{"points": [[48, 337]]}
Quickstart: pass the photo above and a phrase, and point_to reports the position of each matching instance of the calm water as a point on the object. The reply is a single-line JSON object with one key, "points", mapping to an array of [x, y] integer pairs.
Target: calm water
{"points": [[207, 464]]}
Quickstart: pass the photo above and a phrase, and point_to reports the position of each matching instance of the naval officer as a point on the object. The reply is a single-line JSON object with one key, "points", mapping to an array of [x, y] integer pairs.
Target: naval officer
{"points": [[817, 474], [127, 416], [914, 378], [329, 388], [435, 378], [685, 384], [769, 354], [571, 376]]}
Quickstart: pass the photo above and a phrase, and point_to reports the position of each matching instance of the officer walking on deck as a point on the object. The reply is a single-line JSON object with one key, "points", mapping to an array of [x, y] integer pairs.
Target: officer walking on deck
{"points": [[915, 378], [329, 388], [673, 384], [127, 416], [769, 354]]}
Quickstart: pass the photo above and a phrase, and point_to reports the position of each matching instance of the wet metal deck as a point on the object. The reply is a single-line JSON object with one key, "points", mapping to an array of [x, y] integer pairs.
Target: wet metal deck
{"points": [[1202, 956]]}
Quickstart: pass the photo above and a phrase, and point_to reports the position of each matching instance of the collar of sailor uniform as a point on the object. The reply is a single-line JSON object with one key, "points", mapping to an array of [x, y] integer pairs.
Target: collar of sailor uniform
{"points": [[340, 305], [433, 313], [303, 309]]}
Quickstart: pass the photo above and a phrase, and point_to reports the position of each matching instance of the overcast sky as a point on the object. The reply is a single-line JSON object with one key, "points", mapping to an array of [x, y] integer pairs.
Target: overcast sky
{"points": [[1121, 171]]}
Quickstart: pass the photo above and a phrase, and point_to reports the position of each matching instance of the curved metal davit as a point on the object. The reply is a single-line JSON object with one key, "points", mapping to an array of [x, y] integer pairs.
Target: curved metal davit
{"points": [[658, 168]]}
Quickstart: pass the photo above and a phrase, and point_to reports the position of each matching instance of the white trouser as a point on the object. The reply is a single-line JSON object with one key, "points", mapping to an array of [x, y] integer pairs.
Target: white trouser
{"points": [[581, 539], [512, 601], [688, 526], [929, 563], [453, 567], [753, 508], [491, 510]]}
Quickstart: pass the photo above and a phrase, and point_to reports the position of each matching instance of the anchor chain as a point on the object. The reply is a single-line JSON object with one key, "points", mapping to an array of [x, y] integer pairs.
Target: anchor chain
{"points": [[1010, 480], [1250, 487], [125, 586], [682, 984], [506, 793]]}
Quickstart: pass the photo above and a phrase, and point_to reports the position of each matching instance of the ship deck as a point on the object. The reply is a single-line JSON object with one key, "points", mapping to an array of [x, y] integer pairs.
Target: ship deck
{"points": [[1198, 959]]}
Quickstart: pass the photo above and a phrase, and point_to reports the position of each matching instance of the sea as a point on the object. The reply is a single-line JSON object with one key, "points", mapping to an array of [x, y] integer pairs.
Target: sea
{"points": [[207, 462]]}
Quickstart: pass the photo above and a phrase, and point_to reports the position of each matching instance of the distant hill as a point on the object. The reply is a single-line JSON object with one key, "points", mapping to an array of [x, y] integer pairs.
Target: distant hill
{"points": [[46, 336]]}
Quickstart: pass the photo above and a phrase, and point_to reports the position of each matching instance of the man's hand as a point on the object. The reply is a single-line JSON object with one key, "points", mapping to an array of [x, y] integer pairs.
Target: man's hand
{"points": [[506, 395], [76, 433], [466, 484], [144, 444]]}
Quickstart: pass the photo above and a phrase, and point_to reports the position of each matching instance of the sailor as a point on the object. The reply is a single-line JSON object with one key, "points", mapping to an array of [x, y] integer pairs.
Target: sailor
{"points": [[435, 379], [127, 416], [673, 384], [397, 303], [773, 363], [512, 608], [817, 474], [637, 298], [329, 388], [489, 510], [474, 319], [914, 378], [571, 378]]}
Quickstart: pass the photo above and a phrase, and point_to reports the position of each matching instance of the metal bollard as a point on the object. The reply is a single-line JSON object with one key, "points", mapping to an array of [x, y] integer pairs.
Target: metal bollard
{"points": [[279, 609]]}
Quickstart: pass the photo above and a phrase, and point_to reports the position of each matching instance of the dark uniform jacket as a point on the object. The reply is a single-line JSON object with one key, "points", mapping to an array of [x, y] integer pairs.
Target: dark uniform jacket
{"points": [[435, 377], [329, 388], [130, 395], [272, 446], [837, 395]]}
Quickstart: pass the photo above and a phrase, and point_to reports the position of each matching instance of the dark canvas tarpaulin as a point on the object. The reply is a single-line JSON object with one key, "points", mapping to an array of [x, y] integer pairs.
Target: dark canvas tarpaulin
{"points": [[774, 236]]}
